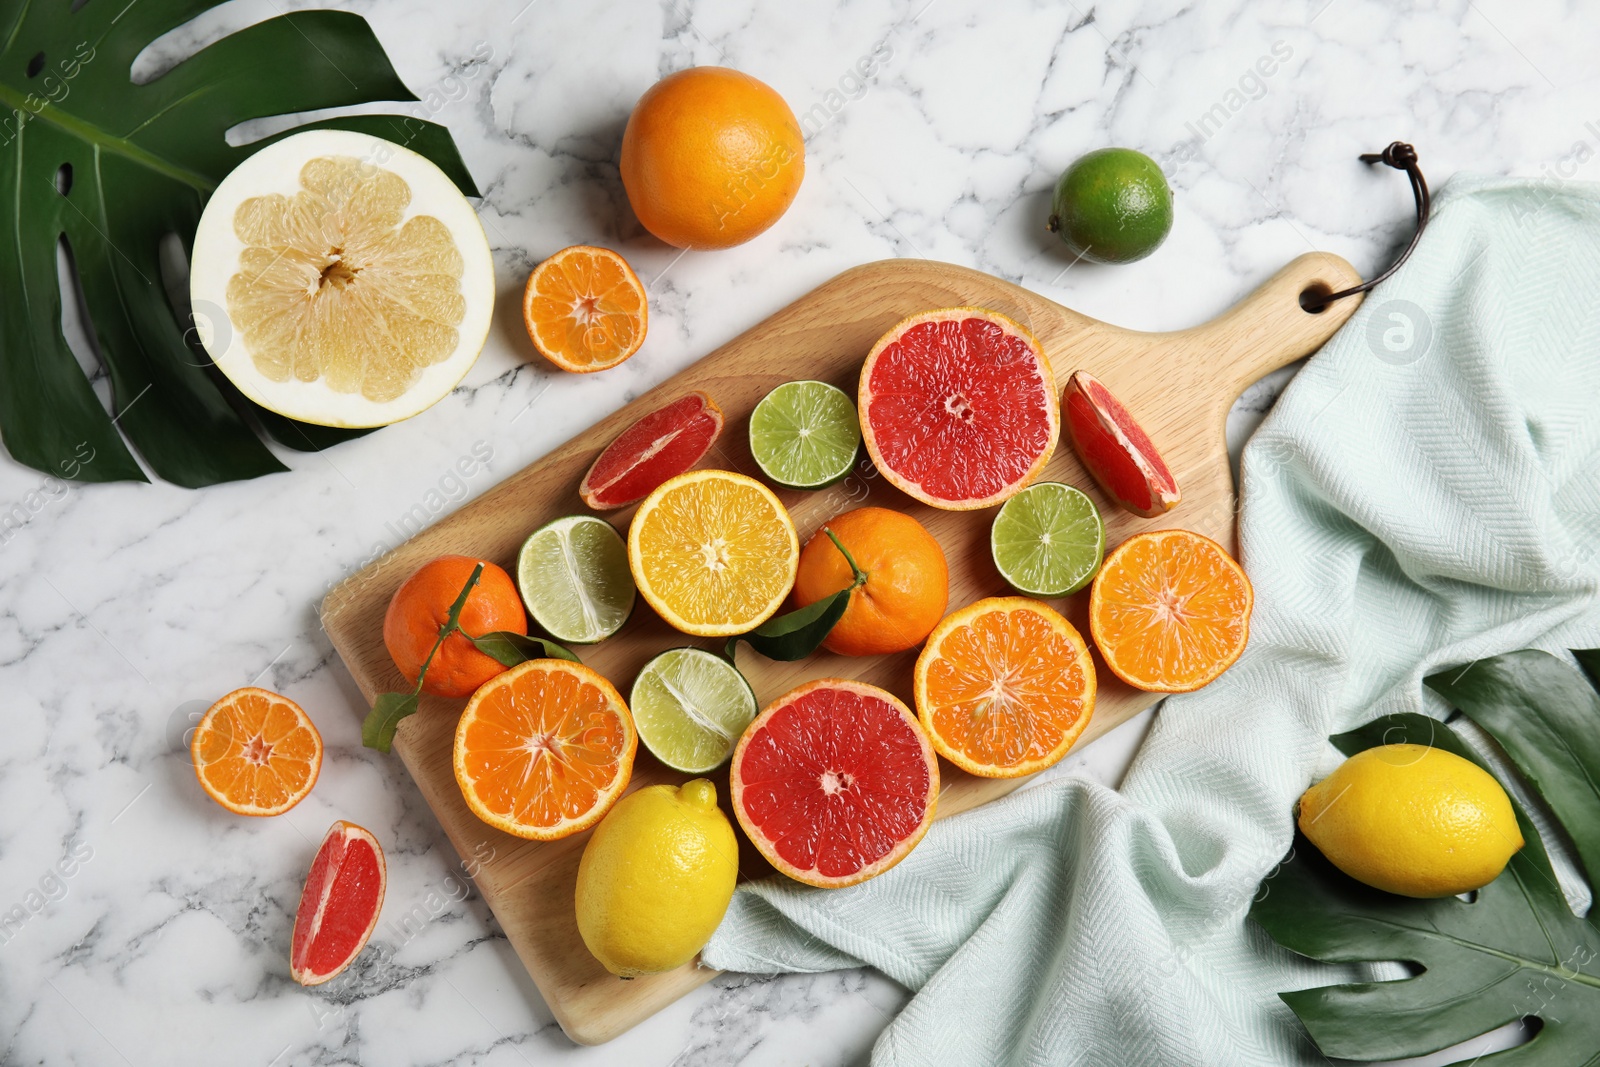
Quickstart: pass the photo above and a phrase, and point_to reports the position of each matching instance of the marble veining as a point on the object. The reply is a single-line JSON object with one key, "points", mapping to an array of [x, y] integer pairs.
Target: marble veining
{"points": [[139, 923]]}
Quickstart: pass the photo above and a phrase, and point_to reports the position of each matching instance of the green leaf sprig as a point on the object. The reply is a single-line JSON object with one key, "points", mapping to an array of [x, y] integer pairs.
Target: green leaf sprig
{"points": [[797, 634], [508, 648]]}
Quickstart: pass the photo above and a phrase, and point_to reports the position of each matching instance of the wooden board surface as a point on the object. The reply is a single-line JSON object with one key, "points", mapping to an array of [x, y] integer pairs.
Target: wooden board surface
{"points": [[1180, 386]]}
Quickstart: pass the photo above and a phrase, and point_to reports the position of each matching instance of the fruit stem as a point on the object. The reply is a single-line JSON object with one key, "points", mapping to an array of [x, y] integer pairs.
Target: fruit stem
{"points": [[1054, 224], [861, 575]]}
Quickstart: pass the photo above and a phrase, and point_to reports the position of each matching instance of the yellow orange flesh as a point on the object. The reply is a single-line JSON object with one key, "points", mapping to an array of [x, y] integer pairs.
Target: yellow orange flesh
{"points": [[1005, 687], [1170, 611], [256, 753], [543, 750]]}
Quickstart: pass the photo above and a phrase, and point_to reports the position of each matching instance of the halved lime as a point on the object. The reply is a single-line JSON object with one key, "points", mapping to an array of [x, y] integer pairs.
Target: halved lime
{"points": [[804, 435], [1048, 540], [574, 578], [690, 706]]}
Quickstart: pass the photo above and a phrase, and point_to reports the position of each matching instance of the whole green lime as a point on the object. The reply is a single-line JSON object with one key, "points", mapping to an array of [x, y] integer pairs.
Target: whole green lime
{"points": [[1112, 206]]}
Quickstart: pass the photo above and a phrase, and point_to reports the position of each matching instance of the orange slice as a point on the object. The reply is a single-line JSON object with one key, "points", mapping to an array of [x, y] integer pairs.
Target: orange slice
{"points": [[256, 753], [1170, 611], [543, 750], [1004, 687], [715, 553], [585, 309]]}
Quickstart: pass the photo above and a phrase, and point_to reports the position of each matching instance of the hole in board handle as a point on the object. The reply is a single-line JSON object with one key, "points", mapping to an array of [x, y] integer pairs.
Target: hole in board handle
{"points": [[1314, 298]]}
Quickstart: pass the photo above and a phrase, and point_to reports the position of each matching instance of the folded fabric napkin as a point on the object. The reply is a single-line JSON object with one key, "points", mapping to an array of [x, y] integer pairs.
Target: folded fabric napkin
{"points": [[1425, 493]]}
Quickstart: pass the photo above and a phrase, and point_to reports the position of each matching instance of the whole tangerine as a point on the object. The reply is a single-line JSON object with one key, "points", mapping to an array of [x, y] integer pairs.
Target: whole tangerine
{"points": [[422, 605], [907, 586], [711, 158]]}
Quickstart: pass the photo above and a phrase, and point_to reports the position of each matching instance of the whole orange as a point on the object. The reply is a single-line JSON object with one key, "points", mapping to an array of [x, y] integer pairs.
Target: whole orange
{"points": [[711, 157], [422, 605], [907, 587]]}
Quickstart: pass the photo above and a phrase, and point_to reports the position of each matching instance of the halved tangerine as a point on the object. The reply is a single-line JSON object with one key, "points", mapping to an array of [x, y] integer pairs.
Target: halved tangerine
{"points": [[256, 753], [834, 782], [585, 309], [958, 407], [1005, 687], [543, 750], [1170, 611]]}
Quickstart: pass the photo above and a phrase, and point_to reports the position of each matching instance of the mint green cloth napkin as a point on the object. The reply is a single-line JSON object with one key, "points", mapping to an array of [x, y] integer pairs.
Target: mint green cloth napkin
{"points": [[1426, 492]]}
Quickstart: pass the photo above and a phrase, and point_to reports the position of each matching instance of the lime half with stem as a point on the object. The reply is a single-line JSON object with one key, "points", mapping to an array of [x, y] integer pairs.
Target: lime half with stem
{"points": [[690, 706], [804, 435], [574, 578], [1048, 540]]}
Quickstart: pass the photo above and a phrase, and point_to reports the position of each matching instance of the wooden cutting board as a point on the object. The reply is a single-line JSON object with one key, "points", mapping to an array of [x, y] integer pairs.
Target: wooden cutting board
{"points": [[1179, 385]]}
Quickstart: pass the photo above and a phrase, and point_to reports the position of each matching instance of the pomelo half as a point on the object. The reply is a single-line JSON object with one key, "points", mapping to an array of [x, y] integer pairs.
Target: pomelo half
{"points": [[958, 407], [342, 280], [834, 782]]}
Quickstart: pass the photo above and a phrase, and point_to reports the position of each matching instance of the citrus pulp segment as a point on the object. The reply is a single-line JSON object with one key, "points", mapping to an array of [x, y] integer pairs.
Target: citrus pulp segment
{"points": [[256, 753], [1005, 687], [661, 445], [1048, 540], [573, 574], [713, 552], [340, 279], [958, 407], [804, 435], [339, 904], [585, 309], [834, 782], [1115, 449], [690, 706], [543, 750], [1170, 611]]}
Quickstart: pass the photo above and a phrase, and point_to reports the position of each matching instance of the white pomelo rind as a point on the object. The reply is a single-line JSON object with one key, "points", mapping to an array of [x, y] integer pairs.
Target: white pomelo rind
{"points": [[217, 248]]}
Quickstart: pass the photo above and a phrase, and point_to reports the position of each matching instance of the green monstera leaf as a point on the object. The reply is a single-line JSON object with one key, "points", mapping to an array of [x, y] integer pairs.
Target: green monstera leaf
{"points": [[1516, 950], [113, 167]]}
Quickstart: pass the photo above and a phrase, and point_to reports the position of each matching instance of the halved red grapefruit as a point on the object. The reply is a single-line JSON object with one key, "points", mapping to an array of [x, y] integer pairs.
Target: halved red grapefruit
{"points": [[662, 445], [834, 782], [958, 407], [339, 905], [1115, 449]]}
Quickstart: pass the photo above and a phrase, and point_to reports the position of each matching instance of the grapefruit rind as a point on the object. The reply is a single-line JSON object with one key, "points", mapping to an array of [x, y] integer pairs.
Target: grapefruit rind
{"points": [[218, 249], [958, 619], [1048, 397], [653, 597], [595, 495], [1108, 649], [765, 845], [606, 799], [350, 831]]}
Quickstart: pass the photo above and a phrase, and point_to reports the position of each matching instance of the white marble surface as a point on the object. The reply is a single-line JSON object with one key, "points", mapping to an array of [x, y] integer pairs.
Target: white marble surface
{"points": [[127, 608]]}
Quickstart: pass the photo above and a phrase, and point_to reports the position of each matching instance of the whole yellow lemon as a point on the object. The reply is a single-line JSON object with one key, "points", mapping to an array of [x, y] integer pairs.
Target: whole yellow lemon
{"points": [[1412, 820], [656, 878]]}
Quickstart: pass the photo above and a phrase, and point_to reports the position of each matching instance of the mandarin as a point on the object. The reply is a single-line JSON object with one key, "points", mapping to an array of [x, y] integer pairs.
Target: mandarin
{"points": [[420, 607], [907, 587]]}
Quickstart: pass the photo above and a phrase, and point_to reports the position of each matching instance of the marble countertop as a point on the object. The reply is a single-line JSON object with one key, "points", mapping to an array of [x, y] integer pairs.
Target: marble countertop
{"points": [[128, 608]]}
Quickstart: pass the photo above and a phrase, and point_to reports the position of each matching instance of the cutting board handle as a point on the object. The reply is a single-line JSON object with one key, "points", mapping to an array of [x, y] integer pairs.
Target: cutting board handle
{"points": [[1269, 329]]}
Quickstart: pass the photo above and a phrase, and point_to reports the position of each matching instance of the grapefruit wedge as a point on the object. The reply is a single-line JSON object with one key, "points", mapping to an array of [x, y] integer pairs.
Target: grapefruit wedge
{"points": [[834, 782], [958, 407], [339, 905], [662, 445], [1115, 449]]}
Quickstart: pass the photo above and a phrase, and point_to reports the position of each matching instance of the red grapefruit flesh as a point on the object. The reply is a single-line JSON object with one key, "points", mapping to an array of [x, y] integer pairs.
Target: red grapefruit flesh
{"points": [[1116, 451], [662, 445], [958, 407], [834, 782], [339, 905]]}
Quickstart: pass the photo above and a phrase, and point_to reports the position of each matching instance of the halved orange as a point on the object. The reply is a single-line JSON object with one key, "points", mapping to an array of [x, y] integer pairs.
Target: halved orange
{"points": [[585, 309], [256, 753], [715, 553], [1170, 611], [1004, 687], [543, 750]]}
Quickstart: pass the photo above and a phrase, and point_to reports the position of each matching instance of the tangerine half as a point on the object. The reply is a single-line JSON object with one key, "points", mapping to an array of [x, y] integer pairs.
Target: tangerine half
{"points": [[256, 753]]}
